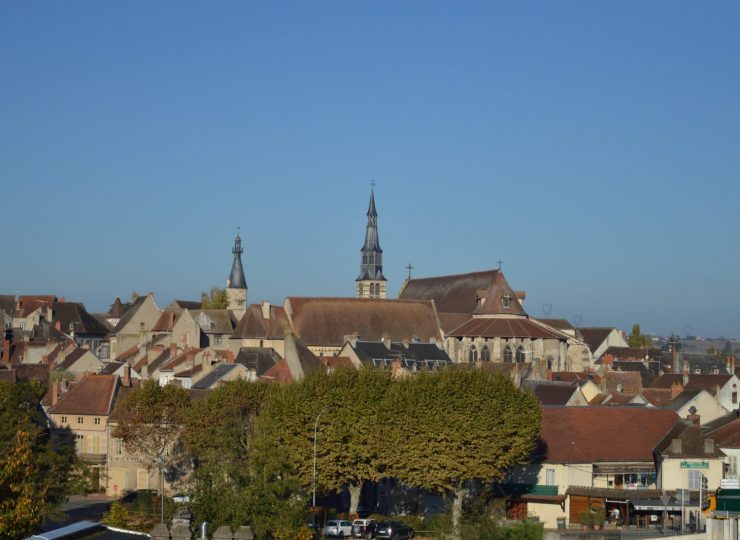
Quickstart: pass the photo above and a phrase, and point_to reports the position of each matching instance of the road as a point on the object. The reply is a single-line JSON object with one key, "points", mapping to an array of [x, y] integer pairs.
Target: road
{"points": [[80, 508]]}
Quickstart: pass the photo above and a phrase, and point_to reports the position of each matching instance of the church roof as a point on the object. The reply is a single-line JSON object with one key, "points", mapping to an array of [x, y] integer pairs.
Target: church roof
{"points": [[472, 293], [327, 321], [505, 327], [254, 325]]}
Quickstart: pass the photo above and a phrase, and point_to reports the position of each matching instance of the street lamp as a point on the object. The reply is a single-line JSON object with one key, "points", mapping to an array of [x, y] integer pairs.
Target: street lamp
{"points": [[315, 427]]}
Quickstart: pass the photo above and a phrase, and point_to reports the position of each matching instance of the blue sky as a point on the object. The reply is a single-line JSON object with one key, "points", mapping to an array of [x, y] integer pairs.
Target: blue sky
{"points": [[593, 146]]}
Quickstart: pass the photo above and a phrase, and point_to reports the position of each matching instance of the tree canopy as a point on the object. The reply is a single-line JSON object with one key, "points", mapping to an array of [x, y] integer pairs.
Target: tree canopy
{"points": [[639, 340], [215, 299]]}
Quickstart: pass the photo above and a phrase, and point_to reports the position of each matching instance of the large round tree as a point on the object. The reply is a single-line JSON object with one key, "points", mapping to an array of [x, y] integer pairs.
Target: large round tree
{"points": [[448, 428]]}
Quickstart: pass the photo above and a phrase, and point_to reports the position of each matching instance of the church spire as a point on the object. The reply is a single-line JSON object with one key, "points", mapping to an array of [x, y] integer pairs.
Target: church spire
{"points": [[371, 282], [236, 286]]}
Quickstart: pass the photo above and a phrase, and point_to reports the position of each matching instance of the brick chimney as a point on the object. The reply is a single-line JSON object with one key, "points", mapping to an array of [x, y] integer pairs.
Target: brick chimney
{"points": [[685, 373], [676, 388], [126, 379], [731, 365], [694, 420], [6, 351], [229, 357]]}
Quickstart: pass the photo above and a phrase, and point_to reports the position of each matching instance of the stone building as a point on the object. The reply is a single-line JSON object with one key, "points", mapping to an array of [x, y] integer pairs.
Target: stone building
{"points": [[483, 320]]}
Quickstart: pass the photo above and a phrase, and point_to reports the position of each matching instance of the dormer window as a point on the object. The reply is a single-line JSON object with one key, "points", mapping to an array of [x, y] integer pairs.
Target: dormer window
{"points": [[506, 301]]}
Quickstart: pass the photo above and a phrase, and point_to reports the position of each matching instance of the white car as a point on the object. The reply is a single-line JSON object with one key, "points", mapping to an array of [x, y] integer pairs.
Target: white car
{"points": [[338, 528]]}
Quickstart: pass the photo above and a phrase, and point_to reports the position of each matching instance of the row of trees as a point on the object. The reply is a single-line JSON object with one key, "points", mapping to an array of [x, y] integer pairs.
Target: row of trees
{"points": [[252, 444]]}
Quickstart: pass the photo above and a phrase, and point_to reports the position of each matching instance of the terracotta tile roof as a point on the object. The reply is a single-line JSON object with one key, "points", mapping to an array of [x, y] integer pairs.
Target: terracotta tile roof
{"points": [[326, 321], [558, 324], [166, 320], [337, 361], [510, 327], [279, 373], [603, 434], [450, 321], [594, 336], [710, 383], [475, 292], [553, 394], [573, 376], [647, 373], [621, 399], [92, 395], [131, 352], [658, 397], [728, 435], [667, 380], [253, 324], [632, 353], [692, 443], [626, 382], [599, 398]]}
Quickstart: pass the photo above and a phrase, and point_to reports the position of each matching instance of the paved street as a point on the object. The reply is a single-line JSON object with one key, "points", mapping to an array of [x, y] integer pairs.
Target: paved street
{"points": [[79, 508]]}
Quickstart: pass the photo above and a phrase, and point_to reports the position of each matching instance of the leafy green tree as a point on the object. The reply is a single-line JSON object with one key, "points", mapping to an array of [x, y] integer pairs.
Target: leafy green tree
{"points": [[444, 429], [637, 339], [347, 449], [215, 299], [219, 431], [150, 424], [117, 516], [35, 467]]}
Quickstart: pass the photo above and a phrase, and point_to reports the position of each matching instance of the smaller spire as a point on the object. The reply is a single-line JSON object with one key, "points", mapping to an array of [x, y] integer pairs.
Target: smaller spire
{"points": [[371, 212], [236, 278], [237, 244]]}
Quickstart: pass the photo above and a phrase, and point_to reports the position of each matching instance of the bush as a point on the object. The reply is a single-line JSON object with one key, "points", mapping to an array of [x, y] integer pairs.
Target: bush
{"points": [[302, 533], [117, 516]]}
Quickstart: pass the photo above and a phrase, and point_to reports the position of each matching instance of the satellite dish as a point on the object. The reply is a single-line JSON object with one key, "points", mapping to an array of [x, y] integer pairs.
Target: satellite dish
{"points": [[619, 387]]}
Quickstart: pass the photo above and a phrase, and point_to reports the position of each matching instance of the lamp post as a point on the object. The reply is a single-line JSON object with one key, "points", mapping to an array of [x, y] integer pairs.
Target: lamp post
{"points": [[315, 428]]}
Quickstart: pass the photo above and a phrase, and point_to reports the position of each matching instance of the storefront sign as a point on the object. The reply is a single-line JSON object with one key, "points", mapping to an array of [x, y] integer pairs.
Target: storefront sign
{"points": [[694, 464]]}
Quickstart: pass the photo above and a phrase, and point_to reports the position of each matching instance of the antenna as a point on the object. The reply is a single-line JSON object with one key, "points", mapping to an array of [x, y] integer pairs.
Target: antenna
{"points": [[546, 309]]}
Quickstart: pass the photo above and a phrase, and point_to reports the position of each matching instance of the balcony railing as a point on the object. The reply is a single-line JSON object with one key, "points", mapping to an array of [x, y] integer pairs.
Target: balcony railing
{"points": [[92, 458]]}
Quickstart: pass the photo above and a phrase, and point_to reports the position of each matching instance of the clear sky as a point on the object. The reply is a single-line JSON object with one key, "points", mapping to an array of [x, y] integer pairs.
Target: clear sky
{"points": [[593, 146]]}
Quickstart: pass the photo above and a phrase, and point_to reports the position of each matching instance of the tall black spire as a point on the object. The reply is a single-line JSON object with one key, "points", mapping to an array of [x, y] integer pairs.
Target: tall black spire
{"points": [[371, 265], [236, 279]]}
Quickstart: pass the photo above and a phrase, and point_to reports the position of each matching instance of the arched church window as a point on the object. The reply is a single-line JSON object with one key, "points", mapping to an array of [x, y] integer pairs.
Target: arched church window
{"points": [[364, 258], [508, 355], [520, 354], [550, 361], [472, 354], [485, 354]]}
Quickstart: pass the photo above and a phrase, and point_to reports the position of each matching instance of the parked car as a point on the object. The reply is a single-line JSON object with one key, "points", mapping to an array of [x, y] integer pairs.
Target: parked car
{"points": [[337, 528], [364, 528], [139, 494], [181, 498], [394, 530]]}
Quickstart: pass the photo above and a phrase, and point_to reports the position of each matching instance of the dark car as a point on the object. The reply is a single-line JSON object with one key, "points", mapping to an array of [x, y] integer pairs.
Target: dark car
{"points": [[139, 494], [394, 530], [363, 528]]}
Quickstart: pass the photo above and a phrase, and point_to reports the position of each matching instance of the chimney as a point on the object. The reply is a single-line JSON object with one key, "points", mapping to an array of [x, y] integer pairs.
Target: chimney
{"points": [[58, 325], [173, 350], [134, 296], [387, 341], [405, 342], [674, 358], [54, 393], [126, 380], [229, 357], [731, 365], [396, 368], [694, 419], [266, 309], [62, 299], [6, 351], [676, 446], [676, 388], [709, 446], [351, 339]]}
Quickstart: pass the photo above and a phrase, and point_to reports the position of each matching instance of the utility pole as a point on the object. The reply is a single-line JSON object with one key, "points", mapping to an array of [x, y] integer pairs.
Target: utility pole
{"points": [[315, 428]]}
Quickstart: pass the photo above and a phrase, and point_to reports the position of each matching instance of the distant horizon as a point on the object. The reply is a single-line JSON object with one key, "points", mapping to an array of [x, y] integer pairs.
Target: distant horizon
{"points": [[592, 147]]}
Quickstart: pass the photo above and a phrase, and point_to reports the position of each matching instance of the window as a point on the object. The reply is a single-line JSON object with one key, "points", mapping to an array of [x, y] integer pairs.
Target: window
{"points": [[472, 354], [734, 396], [508, 355], [64, 419], [217, 339], [360, 289], [485, 354], [80, 420], [506, 301], [694, 480], [96, 421], [22, 325], [550, 361], [520, 354], [732, 465], [550, 477], [117, 447]]}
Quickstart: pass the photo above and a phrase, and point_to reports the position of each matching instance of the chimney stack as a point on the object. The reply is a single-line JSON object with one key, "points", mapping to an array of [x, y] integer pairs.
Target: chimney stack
{"points": [[731, 365], [694, 419], [6, 351], [126, 380], [54, 393], [266, 310], [685, 372], [387, 341], [173, 350]]}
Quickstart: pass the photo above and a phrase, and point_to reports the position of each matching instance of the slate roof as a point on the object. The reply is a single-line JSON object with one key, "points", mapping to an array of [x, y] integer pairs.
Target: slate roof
{"points": [[185, 304], [510, 327], [253, 324], [111, 367], [706, 363], [682, 399], [215, 321], [326, 321], [421, 351], [594, 336], [7, 303], [721, 421], [259, 359], [92, 395], [602, 434], [559, 324], [75, 313], [218, 372], [647, 373], [374, 350]]}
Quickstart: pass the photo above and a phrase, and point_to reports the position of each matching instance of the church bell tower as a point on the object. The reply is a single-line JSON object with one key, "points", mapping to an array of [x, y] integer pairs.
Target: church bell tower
{"points": [[371, 282], [236, 285]]}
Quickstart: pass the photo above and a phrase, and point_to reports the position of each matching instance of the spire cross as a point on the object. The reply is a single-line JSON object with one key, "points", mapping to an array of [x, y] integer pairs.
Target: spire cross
{"points": [[372, 182], [500, 262], [409, 268]]}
